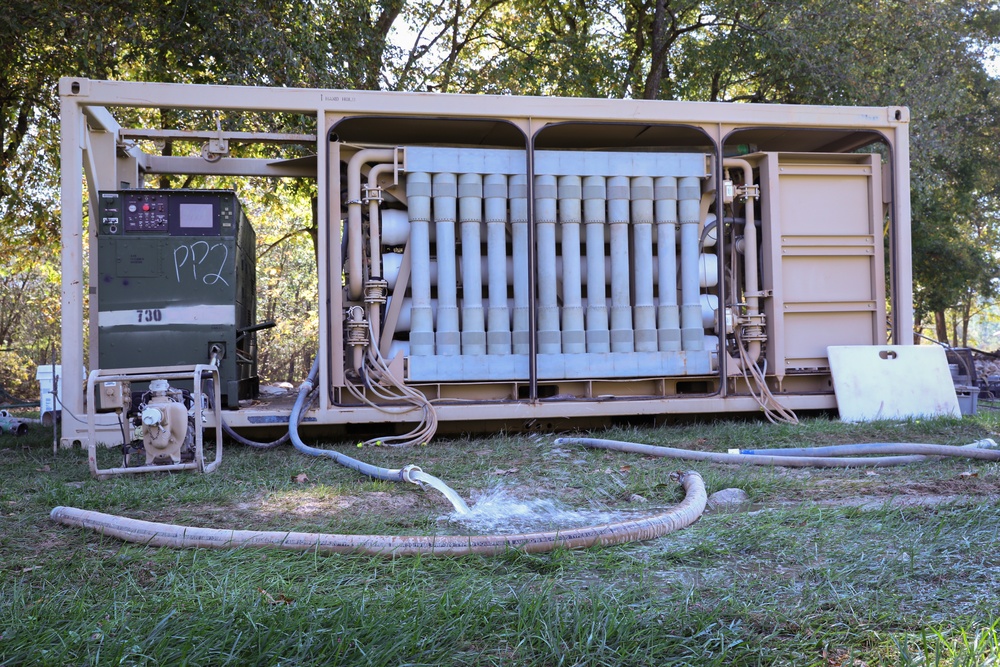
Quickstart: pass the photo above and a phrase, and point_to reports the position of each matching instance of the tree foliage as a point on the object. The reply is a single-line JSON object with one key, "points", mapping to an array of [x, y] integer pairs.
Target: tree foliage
{"points": [[926, 54]]}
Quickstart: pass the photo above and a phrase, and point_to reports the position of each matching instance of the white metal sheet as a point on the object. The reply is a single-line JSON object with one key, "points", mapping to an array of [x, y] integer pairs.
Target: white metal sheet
{"points": [[892, 382]]}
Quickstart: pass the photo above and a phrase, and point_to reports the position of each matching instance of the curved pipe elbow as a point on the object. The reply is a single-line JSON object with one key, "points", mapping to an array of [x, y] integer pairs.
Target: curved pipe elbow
{"points": [[355, 248]]}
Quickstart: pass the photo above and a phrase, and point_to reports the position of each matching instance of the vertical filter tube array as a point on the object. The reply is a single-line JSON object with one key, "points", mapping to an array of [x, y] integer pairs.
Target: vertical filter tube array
{"points": [[621, 297]]}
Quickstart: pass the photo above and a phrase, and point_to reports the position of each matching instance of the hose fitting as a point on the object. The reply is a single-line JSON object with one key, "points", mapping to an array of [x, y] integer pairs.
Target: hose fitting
{"points": [[407, 474]]}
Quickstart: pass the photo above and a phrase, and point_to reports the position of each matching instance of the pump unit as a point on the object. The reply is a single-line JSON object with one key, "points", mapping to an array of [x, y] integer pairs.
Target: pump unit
{"points": [[490, 261], [176, 284]]}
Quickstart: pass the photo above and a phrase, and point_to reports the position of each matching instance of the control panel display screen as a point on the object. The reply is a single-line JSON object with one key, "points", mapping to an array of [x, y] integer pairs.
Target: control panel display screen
{"points": [[196, 216]]}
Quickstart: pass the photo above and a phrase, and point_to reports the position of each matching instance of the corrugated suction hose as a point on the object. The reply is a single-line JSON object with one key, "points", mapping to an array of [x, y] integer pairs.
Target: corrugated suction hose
{"points": [[170, 535]]}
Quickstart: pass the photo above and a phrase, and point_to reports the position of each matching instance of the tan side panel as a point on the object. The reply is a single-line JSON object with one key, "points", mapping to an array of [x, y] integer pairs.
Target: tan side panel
{"points": [[823, 256], [811, 278], [809, 334], [817, 201]]}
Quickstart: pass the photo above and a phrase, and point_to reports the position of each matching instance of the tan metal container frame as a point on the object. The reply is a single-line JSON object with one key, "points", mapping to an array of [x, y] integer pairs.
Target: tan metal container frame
{"points": [[95, 145]]}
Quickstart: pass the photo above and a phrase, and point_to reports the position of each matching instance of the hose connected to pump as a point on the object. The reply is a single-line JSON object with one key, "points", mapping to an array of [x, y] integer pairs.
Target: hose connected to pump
{"points": [[169, 535], [892, 453]]}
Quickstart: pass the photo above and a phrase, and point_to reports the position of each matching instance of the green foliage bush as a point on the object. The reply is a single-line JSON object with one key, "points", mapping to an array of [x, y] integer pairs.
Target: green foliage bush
{"points": [[17, 377]]}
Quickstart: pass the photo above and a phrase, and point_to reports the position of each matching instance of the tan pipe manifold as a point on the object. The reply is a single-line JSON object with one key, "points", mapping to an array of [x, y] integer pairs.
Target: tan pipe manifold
{"points": [[169, 535]]}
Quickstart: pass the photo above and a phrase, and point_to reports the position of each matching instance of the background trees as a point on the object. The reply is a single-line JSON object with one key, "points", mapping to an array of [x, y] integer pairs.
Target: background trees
{"points": [[930, 55]]}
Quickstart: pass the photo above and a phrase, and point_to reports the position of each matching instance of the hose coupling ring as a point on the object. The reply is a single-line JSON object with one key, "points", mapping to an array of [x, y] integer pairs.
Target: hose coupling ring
{"points": [[407, 472]]}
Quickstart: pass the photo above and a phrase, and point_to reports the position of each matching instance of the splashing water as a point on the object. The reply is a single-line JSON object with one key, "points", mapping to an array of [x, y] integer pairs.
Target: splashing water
{"points": [[498, 512], [430, 480]]}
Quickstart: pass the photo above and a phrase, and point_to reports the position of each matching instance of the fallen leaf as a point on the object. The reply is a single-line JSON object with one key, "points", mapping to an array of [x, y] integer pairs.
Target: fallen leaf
{"points": [[44, 468], [966, 475], [301, 478], [625, 468], [281, 599]]}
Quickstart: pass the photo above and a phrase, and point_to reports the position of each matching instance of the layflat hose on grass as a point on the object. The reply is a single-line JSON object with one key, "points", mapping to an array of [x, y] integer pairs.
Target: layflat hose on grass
{"points": [[170, 535], [902, 454], [880, 448], [409, 473]]}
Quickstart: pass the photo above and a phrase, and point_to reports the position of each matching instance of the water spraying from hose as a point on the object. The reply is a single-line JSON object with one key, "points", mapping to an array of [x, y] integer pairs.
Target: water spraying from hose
{"points": [[410, 473]]}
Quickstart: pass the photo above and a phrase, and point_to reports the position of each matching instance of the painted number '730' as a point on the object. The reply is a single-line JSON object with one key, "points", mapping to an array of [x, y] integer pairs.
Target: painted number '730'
{"points": [[148, 315]]}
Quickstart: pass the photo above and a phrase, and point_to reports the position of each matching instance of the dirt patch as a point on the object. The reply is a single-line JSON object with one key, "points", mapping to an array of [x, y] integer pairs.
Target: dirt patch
{"points": [[375, 502]]}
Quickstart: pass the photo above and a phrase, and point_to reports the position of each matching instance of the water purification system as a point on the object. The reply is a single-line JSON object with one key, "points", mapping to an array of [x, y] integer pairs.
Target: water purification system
{"points": [[495, 261]]}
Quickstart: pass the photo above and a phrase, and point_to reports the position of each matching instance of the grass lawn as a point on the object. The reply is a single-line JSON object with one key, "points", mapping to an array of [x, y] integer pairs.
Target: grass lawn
{"points": [[894, 566]]}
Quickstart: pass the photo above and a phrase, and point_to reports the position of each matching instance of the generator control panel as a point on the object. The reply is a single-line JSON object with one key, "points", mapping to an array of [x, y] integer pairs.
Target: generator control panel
{"points": [[171, 212]]}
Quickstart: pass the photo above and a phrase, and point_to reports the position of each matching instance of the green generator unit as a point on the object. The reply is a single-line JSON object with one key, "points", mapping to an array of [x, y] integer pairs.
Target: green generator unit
{"points": [[176, 284]]}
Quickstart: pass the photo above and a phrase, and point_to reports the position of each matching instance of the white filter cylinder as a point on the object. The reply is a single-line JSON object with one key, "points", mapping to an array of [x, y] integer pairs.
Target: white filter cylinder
{"points": [[546, 195], [397, 347], [418, 195], [667, 314], [519, 241], [405, 320], [709, 310], [595, 216], [447, 338], [395, 227], [642, 237], [622, 339], [689, 213], [498, 314], [391, 263], [470, 211], [711, 233], [708, 270], [570, 215]]}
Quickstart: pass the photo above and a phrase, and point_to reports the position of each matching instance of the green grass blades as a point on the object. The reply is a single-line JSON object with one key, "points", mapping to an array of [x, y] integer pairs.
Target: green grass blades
{"points": [[893, 566]]}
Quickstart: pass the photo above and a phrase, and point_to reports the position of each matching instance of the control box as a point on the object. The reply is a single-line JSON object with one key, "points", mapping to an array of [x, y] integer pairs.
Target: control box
{"points": [[176, 284]]}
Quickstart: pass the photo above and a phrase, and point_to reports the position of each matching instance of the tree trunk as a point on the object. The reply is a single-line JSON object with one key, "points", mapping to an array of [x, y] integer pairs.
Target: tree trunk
{"points": [[940, 326]]}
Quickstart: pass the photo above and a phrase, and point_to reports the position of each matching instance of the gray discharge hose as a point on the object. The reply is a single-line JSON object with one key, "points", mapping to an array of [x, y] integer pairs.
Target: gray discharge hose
{"points": [[894, 453], [169, 535], [409, 473]]}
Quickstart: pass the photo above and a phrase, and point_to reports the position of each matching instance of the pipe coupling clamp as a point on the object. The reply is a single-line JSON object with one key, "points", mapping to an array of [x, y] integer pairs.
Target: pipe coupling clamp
{"points": [[357, 332], [376, 290], [753, 327]]}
